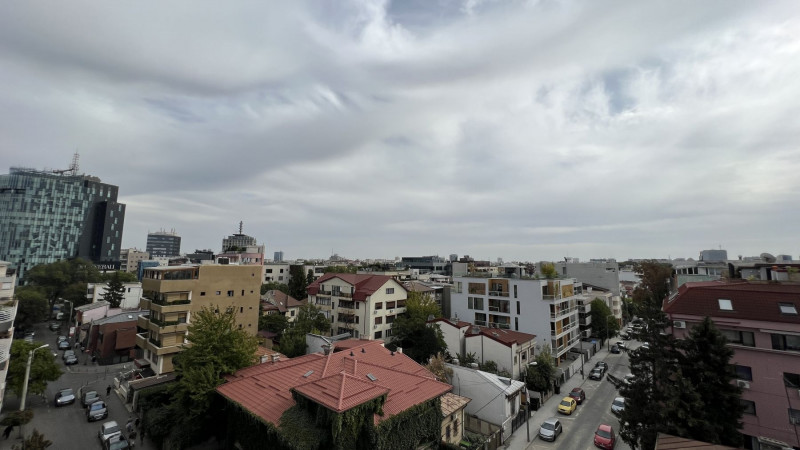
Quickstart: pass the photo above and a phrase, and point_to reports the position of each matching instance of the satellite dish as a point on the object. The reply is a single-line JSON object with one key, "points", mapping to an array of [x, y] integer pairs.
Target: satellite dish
{"points": [[768, 258]]}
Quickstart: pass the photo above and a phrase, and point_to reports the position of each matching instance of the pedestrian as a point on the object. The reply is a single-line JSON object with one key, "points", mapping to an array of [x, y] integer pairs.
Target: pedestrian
{"points": [[136, 424], [129, 425], [108, 390], [7, 431]]}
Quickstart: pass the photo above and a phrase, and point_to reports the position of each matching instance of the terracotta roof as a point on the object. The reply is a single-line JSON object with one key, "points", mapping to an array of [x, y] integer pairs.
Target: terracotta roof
{"points": [[265, 389], [364, 284], [506, 337], [346, 344], [416, 286], [669, 442], [457, 324], [452, 403], [750, 300]]}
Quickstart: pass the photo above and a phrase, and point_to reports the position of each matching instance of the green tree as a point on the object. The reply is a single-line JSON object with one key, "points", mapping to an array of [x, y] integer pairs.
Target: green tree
{"points": [[36, 441], [539, 376], [341, 269], [297, 282], [64, 279], [43, 367], [549, 270], [274, 286], [32, 307], [603, 321], [125, 277], [311, 319], [309, 277], [275, 323], [115, 291], [420, 340], [292, 343], [436, 365], [707, 367]]}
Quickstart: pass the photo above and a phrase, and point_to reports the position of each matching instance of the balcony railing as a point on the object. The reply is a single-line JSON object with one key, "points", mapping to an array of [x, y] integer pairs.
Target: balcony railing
{"points": [[163, 302], [155, 342], [164, 323], [499, 293], [551, 297], [343, 294], [502, 325], [321, 292], [505, 310]]}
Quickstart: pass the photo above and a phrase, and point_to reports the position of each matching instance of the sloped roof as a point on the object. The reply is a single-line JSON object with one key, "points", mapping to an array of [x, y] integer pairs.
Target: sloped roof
{"points": [[364, 284], [453, 323], [452, 403], [750, 300], [417, 286], [122, 316], [265, 389], [90, 306], [281, 299], [503, 336], [670, 442]]}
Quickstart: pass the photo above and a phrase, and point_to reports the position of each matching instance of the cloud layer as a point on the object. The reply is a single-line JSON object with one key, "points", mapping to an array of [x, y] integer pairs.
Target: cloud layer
{"points": [[523, 130]]}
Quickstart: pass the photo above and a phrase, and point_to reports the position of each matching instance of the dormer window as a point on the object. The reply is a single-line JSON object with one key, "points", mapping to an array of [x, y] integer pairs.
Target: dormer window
{"points": [[788, 308], [725, 304]]}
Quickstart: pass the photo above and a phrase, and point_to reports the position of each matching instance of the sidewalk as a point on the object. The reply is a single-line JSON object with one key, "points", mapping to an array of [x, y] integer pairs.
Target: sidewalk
{"points": [[518, 440]]}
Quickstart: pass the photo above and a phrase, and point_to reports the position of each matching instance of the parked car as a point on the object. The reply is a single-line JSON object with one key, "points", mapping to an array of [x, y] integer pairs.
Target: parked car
{"points": [[618, 405], [117, 442], [89, 397], [604, 437], [645, 346], [567, 405], [628, 379], [550, 429], [67, 353], [71, 360], [615, 349], [596, 374], [96, 411], [578, 394], [109, 430], [620, 344], [601, 364], [65, 397], [63, 345], [54, 326], [625, 336]]}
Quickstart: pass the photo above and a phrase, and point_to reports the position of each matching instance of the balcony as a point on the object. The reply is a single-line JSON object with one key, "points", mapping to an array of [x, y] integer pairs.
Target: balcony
{"points": [[155, 345], [346, 318], [498, 293], [562, 313], [343, 294], [6, 318], [501, 325], [167, 326], [321, 292], [171, 307], [551, 297]]}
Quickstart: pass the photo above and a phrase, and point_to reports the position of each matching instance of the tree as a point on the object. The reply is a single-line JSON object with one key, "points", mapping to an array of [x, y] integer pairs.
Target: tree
{"points": [[603, 321], [43, 367], [297, 282], [420, 340], [125, 277], [32, 307], [115, 291], [64, 279], [36, 441], [538, 377], [310, 319], [341, 269], [549, 270], [274, 286], [309, 277], [437, 366], [707, 367], [275, 323]]}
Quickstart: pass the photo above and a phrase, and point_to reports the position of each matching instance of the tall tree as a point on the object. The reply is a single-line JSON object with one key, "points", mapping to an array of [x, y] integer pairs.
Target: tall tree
{"points": [[125, 277], [297, 282], [275, 323], [309, 277], [43, 367], [65, 279], [538, 377], [420, 340], [604, 324], [115, 291], [32, 307], [311, 319], [707, 367]]}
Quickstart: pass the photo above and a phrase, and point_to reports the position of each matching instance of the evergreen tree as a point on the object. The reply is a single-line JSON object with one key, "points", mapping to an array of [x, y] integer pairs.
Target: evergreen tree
{"points": [[708, 369], [538, 377], [297, 282], [115, 291], [603, 321], [309, 277], [274, 286], [419, 339]]}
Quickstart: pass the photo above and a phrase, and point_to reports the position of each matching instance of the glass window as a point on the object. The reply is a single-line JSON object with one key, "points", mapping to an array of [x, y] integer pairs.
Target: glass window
{"points": [[378, 334], [743, 372], [740, 337], [390, 305], [788, 308], [390, 290], [791, 380], [785, 342], [477, 288], [379, 305], [749, 407], [725, 304], [378, 320]]}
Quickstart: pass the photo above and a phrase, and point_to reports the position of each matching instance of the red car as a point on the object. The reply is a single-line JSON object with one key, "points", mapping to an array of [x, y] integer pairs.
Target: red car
{"points": [[604, 437], [578, 395]]}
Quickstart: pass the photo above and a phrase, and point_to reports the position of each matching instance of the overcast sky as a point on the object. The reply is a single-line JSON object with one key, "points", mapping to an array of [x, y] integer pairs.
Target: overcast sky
{"points": [[527, 130]]}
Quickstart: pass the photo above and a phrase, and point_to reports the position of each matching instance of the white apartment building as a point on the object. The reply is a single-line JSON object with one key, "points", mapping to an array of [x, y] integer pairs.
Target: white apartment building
{"points": [[363, 305], [545, 308], [133, 293], [276, 272]]}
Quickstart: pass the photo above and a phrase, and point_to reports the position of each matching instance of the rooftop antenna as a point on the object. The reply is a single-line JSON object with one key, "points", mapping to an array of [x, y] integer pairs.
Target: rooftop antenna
{"points": [[73, 167], [241, 224]]}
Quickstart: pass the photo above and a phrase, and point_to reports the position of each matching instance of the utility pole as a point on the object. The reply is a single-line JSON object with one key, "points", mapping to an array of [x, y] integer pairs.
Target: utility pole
{"points": [[27, 375]]}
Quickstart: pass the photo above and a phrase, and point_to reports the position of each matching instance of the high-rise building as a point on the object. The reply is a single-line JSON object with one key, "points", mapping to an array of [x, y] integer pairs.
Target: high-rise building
{"points": [[163, 243], [47, 216], [278, 256], [129, 259]]}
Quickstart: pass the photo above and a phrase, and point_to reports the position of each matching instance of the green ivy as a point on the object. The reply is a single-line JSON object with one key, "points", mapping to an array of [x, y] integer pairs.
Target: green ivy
{"points": [[416, 425]]}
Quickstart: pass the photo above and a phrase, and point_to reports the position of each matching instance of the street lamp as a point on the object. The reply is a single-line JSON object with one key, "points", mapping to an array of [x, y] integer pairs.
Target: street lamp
{"points": [[27, 375]]}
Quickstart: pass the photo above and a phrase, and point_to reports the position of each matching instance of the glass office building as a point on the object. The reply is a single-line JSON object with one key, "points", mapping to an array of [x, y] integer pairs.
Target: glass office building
{"points": [[46, 217]]}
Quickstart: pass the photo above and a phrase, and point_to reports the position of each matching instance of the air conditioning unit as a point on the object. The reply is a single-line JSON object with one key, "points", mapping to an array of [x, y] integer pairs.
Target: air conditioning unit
{"points": [[679, 324], [375, 312], [391, 311], [375, 327], [743, 384]]}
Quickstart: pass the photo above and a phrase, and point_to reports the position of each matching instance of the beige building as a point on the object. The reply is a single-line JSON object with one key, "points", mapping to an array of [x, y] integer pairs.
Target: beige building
{"points": [[365, 306], [129, 259], [172, 294], [453, 417]]}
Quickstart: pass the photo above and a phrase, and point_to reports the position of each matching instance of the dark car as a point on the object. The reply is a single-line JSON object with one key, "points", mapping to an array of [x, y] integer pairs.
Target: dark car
{"points": [[614, 349], [550, 429], [578, 394], [596, 374], [63, 345], [96, 411], [65, 397], [117, 442], [54, 326], [625, 336], [89, 398], [602, 365]]}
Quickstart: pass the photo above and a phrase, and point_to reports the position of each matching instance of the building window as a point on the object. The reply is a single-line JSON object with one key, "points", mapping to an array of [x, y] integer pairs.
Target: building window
{"points": [[791, 380], [390, 290], [749, 407], [390, 305], [794, 416], [740, 337], [378, 320], [230, 293], [269, 270], [378, 334], [475, 303], [379, 305], [476, 288], [219, 292], [785, 342], [725, 304], [743, 372], [515, 296], [788, 308], [202, 293], [447, 432], [241, 309], [480, 319], [517, 305]]}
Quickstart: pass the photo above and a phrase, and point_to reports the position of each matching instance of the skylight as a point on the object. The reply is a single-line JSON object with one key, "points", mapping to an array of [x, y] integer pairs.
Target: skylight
{"points": [[788, 308], [725, 304], [372, 377], [308, 374]]}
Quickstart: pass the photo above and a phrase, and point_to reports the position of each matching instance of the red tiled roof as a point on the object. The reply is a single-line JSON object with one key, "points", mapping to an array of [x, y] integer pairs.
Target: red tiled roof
{"points": [[506, 337], [460, 324], [265, 389], [346, 344], [365, 284], [750, 300]]}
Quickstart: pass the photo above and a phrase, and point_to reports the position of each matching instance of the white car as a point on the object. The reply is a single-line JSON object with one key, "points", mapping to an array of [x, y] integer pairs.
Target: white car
{"points": [[109, 429], [618, 405]]}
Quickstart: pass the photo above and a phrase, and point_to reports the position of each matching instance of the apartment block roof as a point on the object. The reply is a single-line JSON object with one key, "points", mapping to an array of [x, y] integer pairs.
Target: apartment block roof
{"points": [[417, 286], [364, 284], [751, 300], [338, 381], [91, 306]]}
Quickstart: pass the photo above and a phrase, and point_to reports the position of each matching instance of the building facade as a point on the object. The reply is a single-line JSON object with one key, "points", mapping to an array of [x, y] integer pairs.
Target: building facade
{"points": [[425, 264], [129, 259], [8, 312], [601, 273], [172, 294], [46, 217], [163, 244], [133, 293], [762, 325], [363, 305]]}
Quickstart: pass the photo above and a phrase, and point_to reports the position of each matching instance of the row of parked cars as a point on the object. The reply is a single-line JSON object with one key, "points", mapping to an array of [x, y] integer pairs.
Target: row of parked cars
{"points": [[110, 433]]}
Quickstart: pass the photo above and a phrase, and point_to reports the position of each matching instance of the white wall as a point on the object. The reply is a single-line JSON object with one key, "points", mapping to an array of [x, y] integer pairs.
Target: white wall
{"points": [[133, 293], [488, 403]]}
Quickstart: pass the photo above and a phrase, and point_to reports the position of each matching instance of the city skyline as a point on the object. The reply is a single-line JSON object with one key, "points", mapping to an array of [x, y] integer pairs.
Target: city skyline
{"points": [[521, 130]]}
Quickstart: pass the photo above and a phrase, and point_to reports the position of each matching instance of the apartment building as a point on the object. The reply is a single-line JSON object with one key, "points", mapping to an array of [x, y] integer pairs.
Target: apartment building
{"points": [[762, 325], [129, 259], [541, 307], [8, 312], [363, 305], [173, 293], [133, 293]]}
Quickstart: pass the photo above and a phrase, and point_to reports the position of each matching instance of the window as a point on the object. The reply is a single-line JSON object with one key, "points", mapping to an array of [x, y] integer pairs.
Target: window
{"points": [[480, 319], [743, 372], [517, 305], [378, 334], [475, 303], [794, 416], [725, 304], [477, 288], [447, 432], [378, 320], [515, 296], [230, 293], [291, 313], [749, 407], [788, 308], [740, 337], [791, 380], [390, 305], [390, 290], [379, 305], [785, 342], [458, 286], [241, 309], [218, 292], [202, 293], [390, 319], [269, 270]]}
